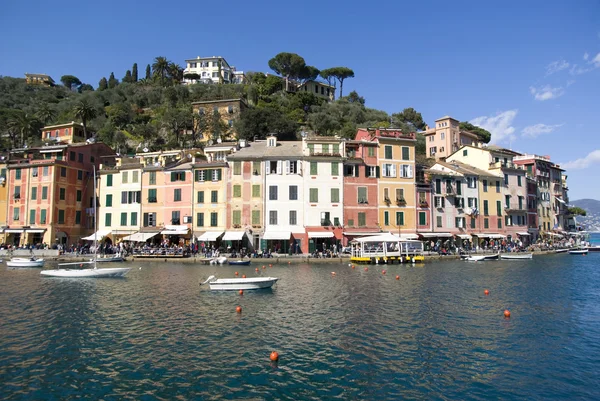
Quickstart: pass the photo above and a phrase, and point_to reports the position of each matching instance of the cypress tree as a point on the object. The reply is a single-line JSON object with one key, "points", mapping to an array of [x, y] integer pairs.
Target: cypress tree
{"points": [[103, 84], [148, 72], [134, 73], [127, 77], [112, 81]]}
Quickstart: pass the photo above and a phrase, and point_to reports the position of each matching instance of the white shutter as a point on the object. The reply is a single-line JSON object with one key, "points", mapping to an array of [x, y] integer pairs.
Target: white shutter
{"points": [[287, 167], [393, 170], [267, 167], [279, 166], [299, 165]]}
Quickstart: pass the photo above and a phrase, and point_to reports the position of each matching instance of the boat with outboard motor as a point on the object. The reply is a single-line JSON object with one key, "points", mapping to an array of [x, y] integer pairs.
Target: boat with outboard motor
{"points": [[25, 262], [516, 256], [232, 284]]}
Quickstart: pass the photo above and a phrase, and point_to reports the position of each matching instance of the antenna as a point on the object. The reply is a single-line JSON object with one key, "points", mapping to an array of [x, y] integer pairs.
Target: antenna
{"points": [[210, 142], [145, 150]]}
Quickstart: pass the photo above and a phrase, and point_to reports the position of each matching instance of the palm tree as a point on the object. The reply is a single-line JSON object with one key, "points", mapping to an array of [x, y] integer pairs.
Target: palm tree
{"points": [[160, 68], [23, 124], [45, 113], [86, 111], [175, 72]]}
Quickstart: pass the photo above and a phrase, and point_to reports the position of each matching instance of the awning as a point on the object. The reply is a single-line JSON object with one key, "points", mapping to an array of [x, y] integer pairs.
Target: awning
{"points": [[320, 234], [561, 201], [361, 233], [463, 236], [122, 232], [98, 235], [436, 235], [408, 236], [210, 236], [271, 235], [14, 230], [35, 230], [523, 234], [492, 236], [174, 232], [140, 237], [233, 235], [51, 150]]}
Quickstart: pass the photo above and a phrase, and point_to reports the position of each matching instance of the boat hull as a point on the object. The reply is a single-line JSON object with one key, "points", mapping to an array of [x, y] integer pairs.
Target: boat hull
{"points": [[233, 284], [476, 258], [24, 262], [239, 262], [579, 252], [491, 257], [87, 273], [517, 256], [111, 259]]}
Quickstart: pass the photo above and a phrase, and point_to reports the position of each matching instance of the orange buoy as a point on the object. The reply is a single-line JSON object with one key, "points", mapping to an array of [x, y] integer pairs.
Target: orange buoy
{"points": [[238, 309], [397, 277], [243, 276], [241, 292], [353, 266], [263, 266], [270, 265], [383, 272], [289, 263], [333, 273], [366, 268], [486, 292], [81, 265], [507, 314], [274, 356], [236, 273], [256, 270]]}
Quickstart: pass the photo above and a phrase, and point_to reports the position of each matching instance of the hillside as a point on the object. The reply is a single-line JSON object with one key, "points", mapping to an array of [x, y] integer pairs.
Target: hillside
{"points": [[591, 221]]}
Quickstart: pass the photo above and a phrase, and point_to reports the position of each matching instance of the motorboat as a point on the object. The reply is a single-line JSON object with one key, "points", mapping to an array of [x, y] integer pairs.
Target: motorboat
{"points": [[92, 272], [110, 258], [578, 251], [25, 262], [516, 256], [595, 248], [218, 260], [491, 257], [475, 258], [561, 251], [232, 284], [240, 262]]}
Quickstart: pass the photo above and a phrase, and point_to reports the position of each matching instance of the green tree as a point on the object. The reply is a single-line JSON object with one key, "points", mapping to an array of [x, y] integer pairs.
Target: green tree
{"points": [[339, 73], [308, 73], [24, 125], [354, 97], [411, 117], [103, 84], [484, 135], [175, 73], [112, 81], [85, 111], [127, 77], [576, 210], [70, 81], [261, 122], [160, 69], [148, 73], [192, 76], [45, 113], [85, 88], [289, 66], [134, 73]]}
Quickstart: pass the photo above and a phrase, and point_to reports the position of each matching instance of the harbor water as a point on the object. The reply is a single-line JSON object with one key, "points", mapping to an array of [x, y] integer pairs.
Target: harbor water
{"points": [[354, 335]]}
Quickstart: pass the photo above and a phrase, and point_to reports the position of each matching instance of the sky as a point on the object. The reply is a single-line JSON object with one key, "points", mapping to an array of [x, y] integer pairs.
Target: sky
{"points": [[528, 71]]}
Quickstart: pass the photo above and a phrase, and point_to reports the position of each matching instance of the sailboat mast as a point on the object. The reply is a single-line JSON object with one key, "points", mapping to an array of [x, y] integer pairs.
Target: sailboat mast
{"points": [[95, 218]]}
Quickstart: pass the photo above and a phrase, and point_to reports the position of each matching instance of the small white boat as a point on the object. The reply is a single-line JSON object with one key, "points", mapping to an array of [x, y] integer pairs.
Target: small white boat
{"points": [[578, 251], [516, 256], [232, 284], [64, 271], [477, 258], [495, 256], [111, 258], [25, 262], [218, 260], [561, 251]]}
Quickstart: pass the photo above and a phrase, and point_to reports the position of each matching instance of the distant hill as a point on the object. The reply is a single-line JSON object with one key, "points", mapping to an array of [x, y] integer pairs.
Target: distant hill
{"points": [[591, 222]]}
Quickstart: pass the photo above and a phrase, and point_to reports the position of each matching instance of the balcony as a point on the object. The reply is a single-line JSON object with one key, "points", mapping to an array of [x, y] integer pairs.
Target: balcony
{"points": [[401, 202], [514, 208], [450, 191], [502, 164], [423, 204]]}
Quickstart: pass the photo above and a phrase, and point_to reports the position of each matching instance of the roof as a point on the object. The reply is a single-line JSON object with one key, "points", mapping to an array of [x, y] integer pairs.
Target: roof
{"points": [[465, 169], [62, 125], [502, 150], [260, 150], [221, 101], [445, 118]]}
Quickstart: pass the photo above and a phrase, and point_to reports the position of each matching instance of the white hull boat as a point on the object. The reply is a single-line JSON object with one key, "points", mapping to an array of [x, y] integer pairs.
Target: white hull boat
{"points": [[85, 273], [478, 258], [218, 260], [516, 256], [108, 259], [25, 262], [578, 252], [234, 284]]}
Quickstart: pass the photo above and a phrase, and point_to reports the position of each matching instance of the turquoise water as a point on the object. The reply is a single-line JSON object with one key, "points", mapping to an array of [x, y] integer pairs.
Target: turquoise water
{"points": [[358, 334], [595, 238]]}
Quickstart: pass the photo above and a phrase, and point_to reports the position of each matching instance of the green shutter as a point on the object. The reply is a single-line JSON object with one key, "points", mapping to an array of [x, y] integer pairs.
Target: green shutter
{"points": [[313, 168], [124, 219], [200, 196], [386, 219], [485, 208], [256, 191], [438, 186], [173, 176], [219, 174], [256, 217], [458, 187], [405, 153], [313, 195], [499, 208], [237, 217], [237, 191], [422, 218], [335, 195], [107, 219], [335, 169], [200, 219], [32, 217], [133, 218], [388, 152], [43, 216], [399, 218], [109, 180]]}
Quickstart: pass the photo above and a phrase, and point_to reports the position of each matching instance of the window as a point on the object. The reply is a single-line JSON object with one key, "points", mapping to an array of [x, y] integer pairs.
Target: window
{"points": [[175, 217], [62, 193], [256, 167], [499, 223], [372, 171], [177, 195], [350, 170], [72, 156], [507, 221], [16, 212], [237, 191], [465, 152], [32, 216], [442, 135], [505, 179], [177, 176], [498, 187], [293, 218], [499, 208], [472, 182], [214, 196], [152, 178], [236, 217], [507, 200], [388, 152], [44, 193], [291, 167], [273, 217], [432, 150], [460, 222], [438, 186], [362, 219], [256, 217], [438, 221], [313, 168], [485, 183], [200, 219], [472, 222], [34, 172], [399, 219], [325, 148], [439, 201], [520, 202], [149, 219], [422, 218], [129, 197], [63, 172], [399, 194], [18, 192], [362, 195], [406, 171], [486, 223], [43, 216], [519, 181], [124, 177], [405, 153], [335, 169], [18, 174], [386, 218], [272, 192], [325, 219], [201, 175], [109, 180], [256, 191], [485, 208], [237, 168], [472, 203], [335, 195], [45, 171], [336, 148], [389, 170], [152, 195], [293, 192], [216, 175], [79, 175], [34, 193], [200, 197], [124, 219], [371, 152], [313, 195], [134, 176]]}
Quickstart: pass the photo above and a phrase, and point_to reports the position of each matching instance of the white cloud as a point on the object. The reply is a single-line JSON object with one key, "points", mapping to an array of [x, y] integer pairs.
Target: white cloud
{"points": [[596, 61], [586, 56], [499, 125], [556, 66], [592, 64], [546, 92], [533, 131], [584, 162], [570, 82]]}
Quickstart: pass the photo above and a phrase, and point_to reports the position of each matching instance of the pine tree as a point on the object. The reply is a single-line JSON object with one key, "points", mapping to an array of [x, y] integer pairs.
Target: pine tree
{"points": [[127, 77], [148, 72], [134, 73], [103, 84], [112, 81]]}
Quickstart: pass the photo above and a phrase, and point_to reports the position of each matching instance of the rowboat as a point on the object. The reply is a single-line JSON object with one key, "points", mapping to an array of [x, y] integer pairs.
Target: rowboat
{"points": [[112, 258], [232, 284], [240, 262], [491, 257], [516, 256], [561, 251], [477, 258], [578, 251], [25, 262]]}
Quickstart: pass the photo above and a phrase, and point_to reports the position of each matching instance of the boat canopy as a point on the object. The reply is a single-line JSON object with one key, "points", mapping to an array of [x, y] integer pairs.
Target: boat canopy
{"points": [[140, 237], [98, 235]]}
